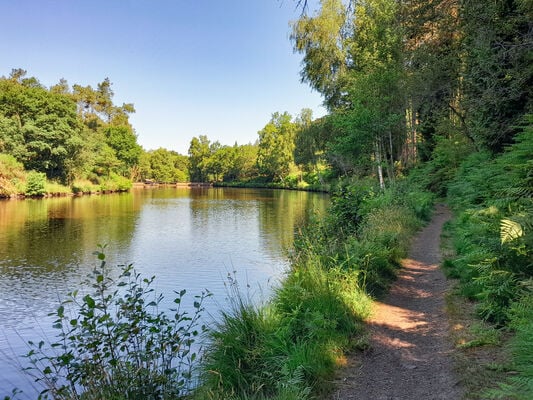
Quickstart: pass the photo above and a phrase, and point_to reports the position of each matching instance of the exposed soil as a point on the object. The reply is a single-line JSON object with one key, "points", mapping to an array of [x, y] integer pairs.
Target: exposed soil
{"points": [[410, 352]]}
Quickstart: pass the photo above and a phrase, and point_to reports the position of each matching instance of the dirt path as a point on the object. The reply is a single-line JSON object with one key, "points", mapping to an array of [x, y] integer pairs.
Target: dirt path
{"points": [[409, 353]]}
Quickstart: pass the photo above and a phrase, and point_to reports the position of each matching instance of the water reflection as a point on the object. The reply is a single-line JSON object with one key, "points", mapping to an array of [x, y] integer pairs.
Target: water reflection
{"points": [[187, 238]]}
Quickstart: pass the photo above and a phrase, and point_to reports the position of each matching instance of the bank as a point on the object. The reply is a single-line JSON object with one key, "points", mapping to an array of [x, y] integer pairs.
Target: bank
{"points": [[290, 347]]}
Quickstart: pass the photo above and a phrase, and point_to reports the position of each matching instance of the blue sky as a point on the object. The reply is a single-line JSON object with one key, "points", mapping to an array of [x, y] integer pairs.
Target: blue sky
{"points": [[191, 67]]}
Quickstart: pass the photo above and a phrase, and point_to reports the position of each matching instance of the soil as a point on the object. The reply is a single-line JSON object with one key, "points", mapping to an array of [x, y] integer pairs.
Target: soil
{"points": [[410, 351]]}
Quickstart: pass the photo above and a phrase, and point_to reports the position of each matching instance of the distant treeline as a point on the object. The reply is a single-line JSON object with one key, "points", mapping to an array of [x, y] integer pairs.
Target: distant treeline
{"points": [[77, 138]]}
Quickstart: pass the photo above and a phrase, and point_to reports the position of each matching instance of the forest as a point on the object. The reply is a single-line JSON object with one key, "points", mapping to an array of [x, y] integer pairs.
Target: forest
{"points": [[426, 99]]}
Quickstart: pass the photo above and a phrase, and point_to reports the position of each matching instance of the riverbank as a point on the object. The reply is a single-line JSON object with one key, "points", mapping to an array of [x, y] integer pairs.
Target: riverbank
{"points": [[291, 185], [291, 347]]}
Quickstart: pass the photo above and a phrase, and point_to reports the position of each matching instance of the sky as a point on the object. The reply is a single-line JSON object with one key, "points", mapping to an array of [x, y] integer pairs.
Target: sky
{"points": [[190, 67]]}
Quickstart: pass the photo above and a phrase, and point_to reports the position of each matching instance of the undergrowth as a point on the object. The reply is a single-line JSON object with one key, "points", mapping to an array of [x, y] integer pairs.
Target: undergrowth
{"points": [[492, 196]]}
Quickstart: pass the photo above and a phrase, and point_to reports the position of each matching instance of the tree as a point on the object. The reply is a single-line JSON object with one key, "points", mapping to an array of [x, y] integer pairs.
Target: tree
{"points": [[124, 142], [321, 39], [165, 166], [199, 153], [497, 71], [353, 55], [276, 146], [41, 128]]}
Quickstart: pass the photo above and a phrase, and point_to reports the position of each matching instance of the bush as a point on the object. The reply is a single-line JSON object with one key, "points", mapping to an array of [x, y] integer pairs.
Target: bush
{"points": [[84, 186], [116, 344], [12, 175], [115, 183], [35, 184]]}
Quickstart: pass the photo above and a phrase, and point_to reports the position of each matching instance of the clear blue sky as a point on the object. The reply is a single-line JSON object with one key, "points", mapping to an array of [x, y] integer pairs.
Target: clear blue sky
{"points": [[191, 67]]}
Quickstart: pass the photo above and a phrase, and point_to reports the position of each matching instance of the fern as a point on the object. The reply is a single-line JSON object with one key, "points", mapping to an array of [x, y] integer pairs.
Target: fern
{"points": [[510, 230]]}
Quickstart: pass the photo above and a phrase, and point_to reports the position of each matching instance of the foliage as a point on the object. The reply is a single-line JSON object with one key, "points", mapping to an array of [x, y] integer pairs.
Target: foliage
{"points": [[199, 152], [122, 140], [163, 166], [492, 234], [115, 183], [114, 342], [276, 146], [520, 384], [11, 175], [35, 184], [42, 128], [67, 134], [297, 339]]}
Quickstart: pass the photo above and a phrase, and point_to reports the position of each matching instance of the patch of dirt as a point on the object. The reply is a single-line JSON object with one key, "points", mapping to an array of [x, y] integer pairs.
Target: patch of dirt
{"points": [[410, 352]]}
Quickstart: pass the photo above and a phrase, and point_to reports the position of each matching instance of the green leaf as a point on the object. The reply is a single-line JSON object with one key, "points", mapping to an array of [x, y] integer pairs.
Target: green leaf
{"points": [[89, 301]]}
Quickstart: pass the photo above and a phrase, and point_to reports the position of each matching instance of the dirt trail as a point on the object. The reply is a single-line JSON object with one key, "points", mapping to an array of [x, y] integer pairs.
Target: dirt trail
{"points": [[409, 353]]}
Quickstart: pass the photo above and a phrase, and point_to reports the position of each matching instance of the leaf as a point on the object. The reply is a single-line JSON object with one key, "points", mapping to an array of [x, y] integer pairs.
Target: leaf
{"points": [[510, 230], [90, 301]]}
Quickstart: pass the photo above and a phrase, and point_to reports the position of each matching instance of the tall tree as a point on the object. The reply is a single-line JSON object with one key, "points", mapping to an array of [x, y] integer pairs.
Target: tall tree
{"points": [[41, 128], [361, 79], [124, 142], [498, 68], [199, 153], [276, 146]]}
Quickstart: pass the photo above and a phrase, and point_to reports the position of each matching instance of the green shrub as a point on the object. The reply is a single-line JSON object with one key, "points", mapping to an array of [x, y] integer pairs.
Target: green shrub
{"points": [[116, 344], [35, 184], [520, 384], [83, 186], [12, 175], [115, 183]]}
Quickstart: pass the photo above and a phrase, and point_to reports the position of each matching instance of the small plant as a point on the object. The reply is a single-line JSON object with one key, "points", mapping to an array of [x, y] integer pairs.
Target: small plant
{"points": [[115, 343], [35, 184]]}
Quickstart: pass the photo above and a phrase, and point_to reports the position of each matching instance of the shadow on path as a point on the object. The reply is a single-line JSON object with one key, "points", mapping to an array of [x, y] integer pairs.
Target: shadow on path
{"points": [[409, 353]]}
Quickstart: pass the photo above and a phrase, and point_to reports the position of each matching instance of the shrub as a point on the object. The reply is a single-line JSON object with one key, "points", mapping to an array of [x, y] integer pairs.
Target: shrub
{"points": [[83, 186], [35, 184], [115, 343], [115, 183], [11, 175]]}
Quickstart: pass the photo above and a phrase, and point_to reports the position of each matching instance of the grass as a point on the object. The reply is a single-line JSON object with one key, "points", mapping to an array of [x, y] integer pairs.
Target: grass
{"points": [[291, 347]]}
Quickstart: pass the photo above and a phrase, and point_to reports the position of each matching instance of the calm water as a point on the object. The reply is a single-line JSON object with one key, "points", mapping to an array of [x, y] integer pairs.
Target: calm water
{"points": [[189, 238]]}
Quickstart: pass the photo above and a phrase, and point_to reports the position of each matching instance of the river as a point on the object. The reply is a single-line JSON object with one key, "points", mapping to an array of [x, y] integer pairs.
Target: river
{"points": [[188, 238]]}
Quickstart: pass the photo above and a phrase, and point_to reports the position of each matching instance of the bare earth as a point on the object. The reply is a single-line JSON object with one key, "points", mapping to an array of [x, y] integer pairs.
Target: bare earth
{"points": [[410, 353]]}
